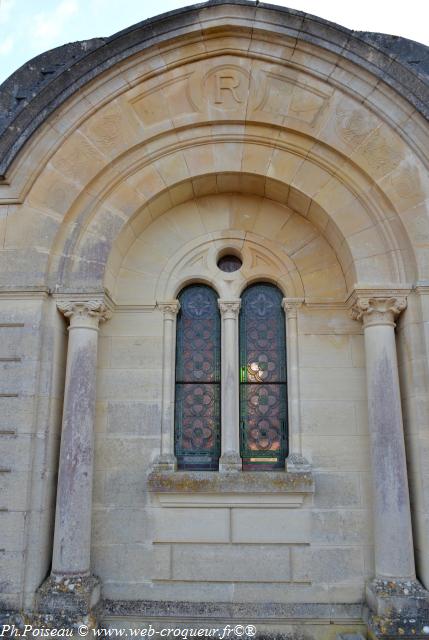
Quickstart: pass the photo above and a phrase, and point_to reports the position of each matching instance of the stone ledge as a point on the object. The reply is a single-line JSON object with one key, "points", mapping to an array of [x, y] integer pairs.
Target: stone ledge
{"points": [[236, 489], [233, 611]]}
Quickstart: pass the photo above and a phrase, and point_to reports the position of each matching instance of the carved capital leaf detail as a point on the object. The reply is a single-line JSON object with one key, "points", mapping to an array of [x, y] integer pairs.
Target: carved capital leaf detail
{"points": [[84, 309], [378, 310], [229, 308], [170, 309], [291, 306]]}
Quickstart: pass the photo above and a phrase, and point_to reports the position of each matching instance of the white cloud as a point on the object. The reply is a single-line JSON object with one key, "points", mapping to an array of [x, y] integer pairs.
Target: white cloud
{"points": [[6, 46], [6, 7], [49, 26]]}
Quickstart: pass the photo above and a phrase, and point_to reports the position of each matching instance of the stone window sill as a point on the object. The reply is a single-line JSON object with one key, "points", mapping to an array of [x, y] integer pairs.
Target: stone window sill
{"points": [[282, 489]]}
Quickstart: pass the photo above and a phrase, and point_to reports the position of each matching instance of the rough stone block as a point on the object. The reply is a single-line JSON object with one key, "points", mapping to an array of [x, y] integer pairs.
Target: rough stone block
{"points": [[15, 452], [122, 487], [301, 564], [271, 525], [128, 384], [12, 527], [168, 591], [134, 418], [231, 563], [191, 525], [17, 413], [334, 565], [131, 562], [19, 377], [327, 321], [130, 453], [13, 490], [325, 351], [341, 527], [328, 417], [111, 525], [342, 453], [11, 571], [334, 490], [136, 352], [318, 384], [294, 592], [145, 324]]}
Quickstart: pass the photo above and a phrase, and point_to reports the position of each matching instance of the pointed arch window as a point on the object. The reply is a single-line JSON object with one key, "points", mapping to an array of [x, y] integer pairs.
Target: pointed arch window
{"points": [[198, 379], [263, 388]]}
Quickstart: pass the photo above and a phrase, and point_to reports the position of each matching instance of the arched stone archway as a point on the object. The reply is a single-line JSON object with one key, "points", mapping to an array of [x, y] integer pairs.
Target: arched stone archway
{"points": [[294, 142]]}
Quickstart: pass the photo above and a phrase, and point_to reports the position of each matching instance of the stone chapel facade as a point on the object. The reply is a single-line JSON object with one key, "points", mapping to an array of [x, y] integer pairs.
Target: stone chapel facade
{"points": [[222, 149]]}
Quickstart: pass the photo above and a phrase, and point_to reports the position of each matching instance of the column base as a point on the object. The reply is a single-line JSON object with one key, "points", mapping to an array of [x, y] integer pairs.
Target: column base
{"points": [[230, 461], [398, 608], [165, 462], [69, 602], [296, 463]]}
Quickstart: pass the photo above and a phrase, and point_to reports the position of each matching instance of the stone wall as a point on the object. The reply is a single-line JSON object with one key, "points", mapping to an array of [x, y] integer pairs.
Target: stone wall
{"points": [[303, 147], [32, 378], [142, 549]]}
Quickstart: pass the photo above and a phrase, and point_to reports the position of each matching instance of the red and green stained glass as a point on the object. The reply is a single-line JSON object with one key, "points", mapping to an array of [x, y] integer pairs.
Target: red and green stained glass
{"points": [[263, 391], [197, 406]]}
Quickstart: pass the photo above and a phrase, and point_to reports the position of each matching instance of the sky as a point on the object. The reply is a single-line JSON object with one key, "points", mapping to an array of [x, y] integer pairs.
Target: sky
{"points": [[29, 27]]}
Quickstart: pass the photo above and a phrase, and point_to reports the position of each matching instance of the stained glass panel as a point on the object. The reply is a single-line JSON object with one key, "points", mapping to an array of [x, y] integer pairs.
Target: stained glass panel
{"points": [[197, 406], [263, 390]]}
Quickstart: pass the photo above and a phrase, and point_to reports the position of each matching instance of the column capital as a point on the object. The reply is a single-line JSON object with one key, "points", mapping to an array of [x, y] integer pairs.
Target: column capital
{"points": [[229, 308], [85, 313], [291, 306], [374, 310], [169, 309]]}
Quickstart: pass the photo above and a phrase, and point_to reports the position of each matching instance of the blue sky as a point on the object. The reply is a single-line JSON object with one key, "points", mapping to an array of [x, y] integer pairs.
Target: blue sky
{"points": [[29, 27]]}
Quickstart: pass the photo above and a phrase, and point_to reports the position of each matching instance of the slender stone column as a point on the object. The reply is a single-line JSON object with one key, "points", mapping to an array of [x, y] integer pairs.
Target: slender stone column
{"points": [[72, 538], [167, 460], [295, 460], [394, 555], [230, 459]]}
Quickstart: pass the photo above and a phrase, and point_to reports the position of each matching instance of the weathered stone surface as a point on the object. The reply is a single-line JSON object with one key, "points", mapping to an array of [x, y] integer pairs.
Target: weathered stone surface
{"points": [[42, 83], [270, 482], [249, 525], [68, 603], [297, 145], [228, 563]]}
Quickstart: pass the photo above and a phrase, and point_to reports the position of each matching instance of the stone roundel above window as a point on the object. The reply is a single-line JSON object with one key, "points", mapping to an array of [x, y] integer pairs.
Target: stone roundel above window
{"points": [[228, 268], [229, 262]]}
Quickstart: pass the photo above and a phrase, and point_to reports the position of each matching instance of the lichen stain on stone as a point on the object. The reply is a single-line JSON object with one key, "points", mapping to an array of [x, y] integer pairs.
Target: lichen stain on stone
{"points": [[387, 436], [184, 482], [77, 448]]}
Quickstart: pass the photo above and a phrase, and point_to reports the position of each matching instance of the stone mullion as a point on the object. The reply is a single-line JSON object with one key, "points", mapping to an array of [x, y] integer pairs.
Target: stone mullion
{"points": [[230, 459]]}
